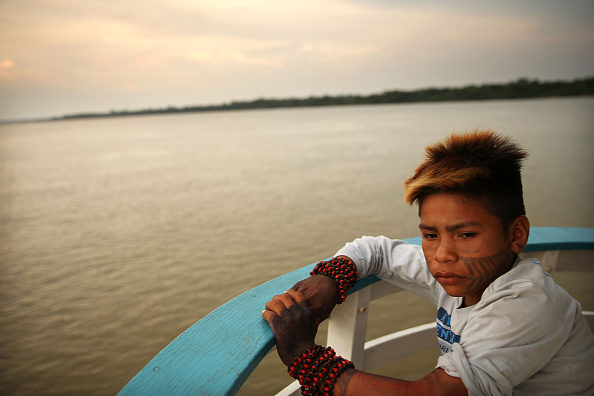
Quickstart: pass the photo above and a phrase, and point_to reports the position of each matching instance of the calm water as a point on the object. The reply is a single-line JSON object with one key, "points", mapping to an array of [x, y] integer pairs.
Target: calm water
{"points": [[118, 234]]}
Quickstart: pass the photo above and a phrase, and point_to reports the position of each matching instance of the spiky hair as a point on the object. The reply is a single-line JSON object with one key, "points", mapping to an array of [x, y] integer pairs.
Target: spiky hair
{"points": [[480, 164]]}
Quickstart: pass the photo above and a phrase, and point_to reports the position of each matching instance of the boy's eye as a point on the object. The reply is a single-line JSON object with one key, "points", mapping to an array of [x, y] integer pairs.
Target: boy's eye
{"points": [[467, 235], [429, 236]]}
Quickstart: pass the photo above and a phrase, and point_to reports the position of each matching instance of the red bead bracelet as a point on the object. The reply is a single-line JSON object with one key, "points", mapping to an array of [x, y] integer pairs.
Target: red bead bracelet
{"points": [[317, 369], [344, 272]]}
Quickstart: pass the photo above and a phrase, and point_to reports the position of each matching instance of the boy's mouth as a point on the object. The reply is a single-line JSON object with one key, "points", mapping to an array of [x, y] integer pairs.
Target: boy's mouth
{"points": [[447, 278]]}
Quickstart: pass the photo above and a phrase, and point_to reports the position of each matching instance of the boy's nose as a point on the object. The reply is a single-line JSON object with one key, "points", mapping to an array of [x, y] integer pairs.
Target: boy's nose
{"points": [[444, 253]]}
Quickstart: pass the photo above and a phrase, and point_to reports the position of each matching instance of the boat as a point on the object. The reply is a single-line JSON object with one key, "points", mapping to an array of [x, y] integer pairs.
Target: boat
{"points": [[218, 353]]}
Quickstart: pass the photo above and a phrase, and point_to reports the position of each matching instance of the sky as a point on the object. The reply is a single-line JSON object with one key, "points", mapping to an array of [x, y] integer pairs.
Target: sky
{"points": [[61, 57]]}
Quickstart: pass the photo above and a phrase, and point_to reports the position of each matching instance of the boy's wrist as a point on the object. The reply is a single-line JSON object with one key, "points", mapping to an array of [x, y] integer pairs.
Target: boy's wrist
{"points": [[317, 370], [342, 270]]}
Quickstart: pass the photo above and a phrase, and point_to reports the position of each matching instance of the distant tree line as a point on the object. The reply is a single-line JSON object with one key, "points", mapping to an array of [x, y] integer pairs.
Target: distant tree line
{"points": [[521, 89]]}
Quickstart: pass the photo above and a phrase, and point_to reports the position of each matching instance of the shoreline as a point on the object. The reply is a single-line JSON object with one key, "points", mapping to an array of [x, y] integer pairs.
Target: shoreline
{"points": [[522, 88]]}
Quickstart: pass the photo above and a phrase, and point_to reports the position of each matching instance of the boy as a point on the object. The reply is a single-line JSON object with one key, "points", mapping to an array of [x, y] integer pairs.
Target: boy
{"points": [[504, 327]]}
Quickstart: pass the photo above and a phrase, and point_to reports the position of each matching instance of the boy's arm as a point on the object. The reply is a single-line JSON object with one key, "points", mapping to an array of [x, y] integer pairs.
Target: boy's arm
{"points": [[294, 331], [320, 293], [381, 256], [354, 382]]}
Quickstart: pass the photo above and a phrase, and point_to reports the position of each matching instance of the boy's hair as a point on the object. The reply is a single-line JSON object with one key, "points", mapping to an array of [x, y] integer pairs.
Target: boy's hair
{"points": [[480, 165]]}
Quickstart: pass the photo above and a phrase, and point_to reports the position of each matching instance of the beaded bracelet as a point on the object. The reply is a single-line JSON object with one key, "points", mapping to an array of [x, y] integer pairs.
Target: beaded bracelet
{"points": [[317, 369], [344, 271]]}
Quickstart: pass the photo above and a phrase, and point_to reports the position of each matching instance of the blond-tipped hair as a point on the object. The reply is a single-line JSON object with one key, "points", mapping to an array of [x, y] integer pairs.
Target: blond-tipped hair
{"points": [[480, 164]]}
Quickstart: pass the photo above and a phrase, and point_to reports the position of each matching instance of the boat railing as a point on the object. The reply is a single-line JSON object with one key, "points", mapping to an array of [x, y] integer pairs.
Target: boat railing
{"points": [[218, 353]]}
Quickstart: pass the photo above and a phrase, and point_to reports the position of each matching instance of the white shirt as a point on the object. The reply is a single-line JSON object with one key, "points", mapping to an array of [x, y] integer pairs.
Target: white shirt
{"points": [[526, 336]]}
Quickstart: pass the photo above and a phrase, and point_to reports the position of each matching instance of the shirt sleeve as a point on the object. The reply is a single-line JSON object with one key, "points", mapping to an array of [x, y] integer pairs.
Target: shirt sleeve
{"points": [[510, 335], [392, 260]]}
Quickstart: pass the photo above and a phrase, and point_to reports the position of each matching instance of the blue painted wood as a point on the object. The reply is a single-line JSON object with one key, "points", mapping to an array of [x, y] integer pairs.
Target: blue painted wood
{"points": [[552, 238], [560, 238], [217, 354]]}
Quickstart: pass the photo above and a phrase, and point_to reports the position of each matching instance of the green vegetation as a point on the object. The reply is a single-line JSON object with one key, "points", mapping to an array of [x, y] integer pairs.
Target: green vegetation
{"points": [[520, 89]]}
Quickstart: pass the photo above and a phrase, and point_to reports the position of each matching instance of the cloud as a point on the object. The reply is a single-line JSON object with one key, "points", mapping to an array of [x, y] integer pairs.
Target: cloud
{"points": [[268, 34], [6, 64], [212, 51]]}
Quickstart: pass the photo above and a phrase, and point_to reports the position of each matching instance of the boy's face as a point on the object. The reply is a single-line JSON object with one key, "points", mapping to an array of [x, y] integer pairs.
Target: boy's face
{"points": [[465, 246]]}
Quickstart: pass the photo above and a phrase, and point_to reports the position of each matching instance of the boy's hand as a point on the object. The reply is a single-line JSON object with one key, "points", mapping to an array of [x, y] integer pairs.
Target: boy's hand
{"points": [[292, 323], [320, 292]]}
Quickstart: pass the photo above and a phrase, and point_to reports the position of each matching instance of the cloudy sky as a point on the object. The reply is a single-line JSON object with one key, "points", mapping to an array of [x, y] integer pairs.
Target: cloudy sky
{"points": [[69, 56]]}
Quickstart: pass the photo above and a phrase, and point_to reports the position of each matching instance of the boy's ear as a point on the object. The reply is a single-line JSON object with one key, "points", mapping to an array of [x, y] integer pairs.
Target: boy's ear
{"points": [[519, 231]]}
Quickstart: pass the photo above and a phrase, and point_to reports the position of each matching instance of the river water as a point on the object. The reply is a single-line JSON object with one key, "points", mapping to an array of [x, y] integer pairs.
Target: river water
{"points": [[117, 234]]}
